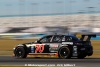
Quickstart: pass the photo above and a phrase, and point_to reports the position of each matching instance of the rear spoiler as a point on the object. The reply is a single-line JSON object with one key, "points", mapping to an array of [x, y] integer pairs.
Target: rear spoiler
{"points": [[87, 37]]}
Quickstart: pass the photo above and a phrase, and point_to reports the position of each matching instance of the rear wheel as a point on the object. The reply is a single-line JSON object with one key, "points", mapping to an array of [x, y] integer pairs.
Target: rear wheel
{"points": [[20, 52], [64, 53]]}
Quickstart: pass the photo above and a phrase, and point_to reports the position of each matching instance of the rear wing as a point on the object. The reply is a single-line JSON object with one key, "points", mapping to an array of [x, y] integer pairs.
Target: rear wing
{"points": [[84, 36], [87, 37]]}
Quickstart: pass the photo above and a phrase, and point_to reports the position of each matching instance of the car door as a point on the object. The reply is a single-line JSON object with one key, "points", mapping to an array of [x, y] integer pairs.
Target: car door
{"points": [[43, 45], [55, 43]]}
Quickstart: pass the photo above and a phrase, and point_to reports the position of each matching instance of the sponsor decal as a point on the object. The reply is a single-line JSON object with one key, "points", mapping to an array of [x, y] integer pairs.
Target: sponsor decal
{"points": [[74, 50], [32, 49], [54, 45], [39, 48], [64, 45], [71, 43]]}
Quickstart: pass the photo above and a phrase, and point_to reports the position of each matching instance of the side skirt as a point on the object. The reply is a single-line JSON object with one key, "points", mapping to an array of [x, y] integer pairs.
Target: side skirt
{"points": [[43, 54]]}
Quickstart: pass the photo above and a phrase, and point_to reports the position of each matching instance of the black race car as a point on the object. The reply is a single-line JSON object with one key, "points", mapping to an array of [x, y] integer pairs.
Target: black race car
{"points": [[62, 46]]}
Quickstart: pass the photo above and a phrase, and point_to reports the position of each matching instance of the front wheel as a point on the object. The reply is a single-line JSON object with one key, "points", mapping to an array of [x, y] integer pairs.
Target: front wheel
{"points": [[64, 53], [20, 52]]}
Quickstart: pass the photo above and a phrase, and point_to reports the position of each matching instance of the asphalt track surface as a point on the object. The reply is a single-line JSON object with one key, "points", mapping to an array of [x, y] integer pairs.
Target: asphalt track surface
{"points": [[90, 62]]}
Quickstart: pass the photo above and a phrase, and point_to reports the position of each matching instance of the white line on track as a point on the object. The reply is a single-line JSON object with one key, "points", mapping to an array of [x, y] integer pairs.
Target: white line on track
{"points": [[43, 66]]}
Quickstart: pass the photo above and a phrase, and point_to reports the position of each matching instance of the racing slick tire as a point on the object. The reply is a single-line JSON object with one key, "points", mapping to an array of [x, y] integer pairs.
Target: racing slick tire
{"points": [[64, 53], [20, 52]]}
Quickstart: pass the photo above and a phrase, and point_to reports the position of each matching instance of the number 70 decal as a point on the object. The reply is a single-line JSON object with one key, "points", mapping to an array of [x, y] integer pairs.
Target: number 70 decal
{"points": [[39, 48]]}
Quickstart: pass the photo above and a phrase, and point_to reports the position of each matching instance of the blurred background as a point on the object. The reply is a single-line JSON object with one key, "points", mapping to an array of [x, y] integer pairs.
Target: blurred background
{"points": [[36, 18], [27, 20]]}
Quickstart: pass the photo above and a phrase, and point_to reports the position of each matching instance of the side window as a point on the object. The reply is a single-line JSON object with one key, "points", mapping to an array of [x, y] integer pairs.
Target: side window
{"points": [[68, 38], [46, 39], [57, 39]]}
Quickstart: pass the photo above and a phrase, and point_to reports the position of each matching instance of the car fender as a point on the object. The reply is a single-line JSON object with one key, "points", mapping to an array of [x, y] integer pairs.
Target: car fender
{"points": [[21, 45]]}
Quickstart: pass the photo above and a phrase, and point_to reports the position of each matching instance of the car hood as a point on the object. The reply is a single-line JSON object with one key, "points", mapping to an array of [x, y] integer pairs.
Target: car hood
{"points": [[29, 43]]}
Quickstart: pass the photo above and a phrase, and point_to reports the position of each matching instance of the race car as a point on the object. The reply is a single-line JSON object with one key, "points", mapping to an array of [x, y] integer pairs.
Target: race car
{"points": [[61, 46]]}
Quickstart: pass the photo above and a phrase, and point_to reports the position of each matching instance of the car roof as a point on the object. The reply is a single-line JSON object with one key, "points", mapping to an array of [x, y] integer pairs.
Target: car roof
{"points": [[63, 35]]}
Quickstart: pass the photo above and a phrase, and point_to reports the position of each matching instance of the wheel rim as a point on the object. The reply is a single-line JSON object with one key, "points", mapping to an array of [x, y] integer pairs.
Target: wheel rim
{"points": [[64, 52], [19, 52]]}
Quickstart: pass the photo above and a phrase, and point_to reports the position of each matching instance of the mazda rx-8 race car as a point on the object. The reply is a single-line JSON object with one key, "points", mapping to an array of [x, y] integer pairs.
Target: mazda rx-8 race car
{"points": [[62, 46]]}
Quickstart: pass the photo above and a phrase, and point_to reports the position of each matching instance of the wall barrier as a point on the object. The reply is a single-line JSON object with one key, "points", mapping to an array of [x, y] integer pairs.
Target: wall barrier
{"points": [[28, 36]]}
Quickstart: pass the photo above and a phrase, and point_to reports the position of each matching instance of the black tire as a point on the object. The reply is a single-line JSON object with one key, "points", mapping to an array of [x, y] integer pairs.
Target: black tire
{"points": [[20, 52], [64, 53]]}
